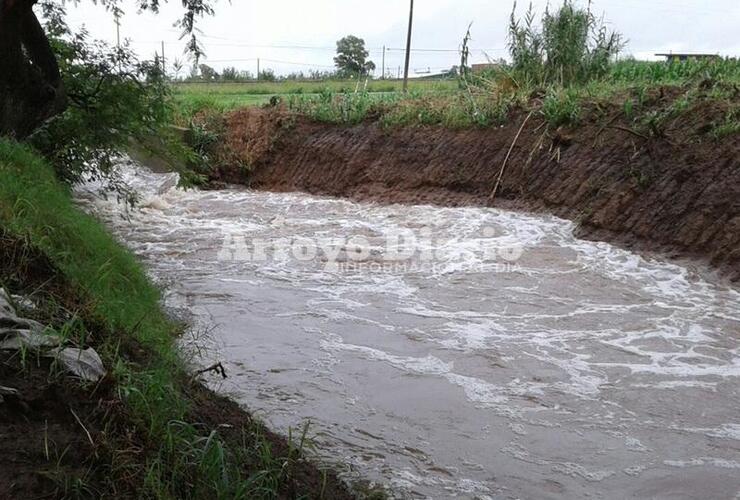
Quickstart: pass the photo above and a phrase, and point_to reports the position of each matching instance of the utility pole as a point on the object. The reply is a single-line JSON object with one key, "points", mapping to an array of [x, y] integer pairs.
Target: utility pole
{"points": [[408, 49], [164, 66], [118, 39], [118, 30], [382, 76], [258, 68]]}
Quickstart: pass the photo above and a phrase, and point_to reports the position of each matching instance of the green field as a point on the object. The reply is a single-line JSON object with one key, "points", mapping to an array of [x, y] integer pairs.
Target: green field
{"points": [[486, 100], [228, 95], [309, 87]]}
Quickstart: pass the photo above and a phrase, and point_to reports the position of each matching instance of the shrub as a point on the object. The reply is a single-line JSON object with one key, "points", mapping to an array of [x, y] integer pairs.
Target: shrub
{"points": [[561, 107], [571, 47]]}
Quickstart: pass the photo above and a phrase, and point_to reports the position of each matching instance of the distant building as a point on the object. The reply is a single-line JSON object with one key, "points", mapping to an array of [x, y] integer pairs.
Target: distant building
{"points": [[676, 57]]}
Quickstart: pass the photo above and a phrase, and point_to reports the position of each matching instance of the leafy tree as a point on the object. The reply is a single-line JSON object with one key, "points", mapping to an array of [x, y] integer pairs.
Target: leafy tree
{"points": [[112, 99], [267, 75], [230, 74], [207, 72], [351, 56], [31, 85]]}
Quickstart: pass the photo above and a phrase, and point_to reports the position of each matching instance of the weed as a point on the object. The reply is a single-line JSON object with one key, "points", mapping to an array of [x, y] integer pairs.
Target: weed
{"points": [[629, 109], [657, 121], [729, 126], [572, 46], [561, 107]]}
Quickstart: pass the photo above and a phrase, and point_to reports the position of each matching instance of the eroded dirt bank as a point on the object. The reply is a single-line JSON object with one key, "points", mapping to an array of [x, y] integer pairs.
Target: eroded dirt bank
{"points": [[675, 189]]}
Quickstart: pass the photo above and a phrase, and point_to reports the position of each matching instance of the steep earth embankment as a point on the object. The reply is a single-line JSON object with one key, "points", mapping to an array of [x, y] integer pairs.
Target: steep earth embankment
{"points": [[674, 189]]}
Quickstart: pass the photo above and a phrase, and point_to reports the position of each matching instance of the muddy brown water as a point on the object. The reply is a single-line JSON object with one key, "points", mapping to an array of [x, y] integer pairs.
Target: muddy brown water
{"points": [[496, 356]]}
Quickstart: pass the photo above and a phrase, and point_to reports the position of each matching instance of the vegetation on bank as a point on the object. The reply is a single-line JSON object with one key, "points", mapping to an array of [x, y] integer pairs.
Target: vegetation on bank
{"points": [[151, 444], [190, 98], [561, 68], [493, 98]]}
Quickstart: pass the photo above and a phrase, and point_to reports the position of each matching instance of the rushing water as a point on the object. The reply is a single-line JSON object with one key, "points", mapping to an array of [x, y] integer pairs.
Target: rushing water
{"points": [[504, 359]]}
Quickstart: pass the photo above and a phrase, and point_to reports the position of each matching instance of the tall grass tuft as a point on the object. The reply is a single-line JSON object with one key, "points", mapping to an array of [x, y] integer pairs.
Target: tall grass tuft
{"points": [[570, 47]]}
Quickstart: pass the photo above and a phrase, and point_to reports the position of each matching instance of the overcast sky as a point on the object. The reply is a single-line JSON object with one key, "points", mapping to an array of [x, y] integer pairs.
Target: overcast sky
{"points": [[293, 35]]}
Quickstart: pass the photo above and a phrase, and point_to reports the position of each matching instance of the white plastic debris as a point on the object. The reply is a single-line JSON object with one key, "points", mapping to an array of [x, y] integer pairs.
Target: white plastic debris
{"points": [[16, 340], [19, 333], [5, 308], [24, 303], [7, 391], [83, 363]]}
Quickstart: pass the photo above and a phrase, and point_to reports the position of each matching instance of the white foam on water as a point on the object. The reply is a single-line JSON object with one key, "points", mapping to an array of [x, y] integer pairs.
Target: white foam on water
{"points": [[581, 340], [704, 461]]}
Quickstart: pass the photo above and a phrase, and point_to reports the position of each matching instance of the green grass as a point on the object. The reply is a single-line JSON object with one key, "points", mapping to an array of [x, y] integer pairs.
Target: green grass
{"points": [[188, 105], [487, 99], [561, 107], [228, 101], [674, 73], [225, 96], [492, 95], [33, 205], [184, 460], [729, 126], [308, 87]]}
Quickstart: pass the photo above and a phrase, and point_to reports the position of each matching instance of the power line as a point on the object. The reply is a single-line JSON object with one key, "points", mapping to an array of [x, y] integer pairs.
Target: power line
{"points": [[276, 61], [332, 49], [244, 43], [673, 7]]}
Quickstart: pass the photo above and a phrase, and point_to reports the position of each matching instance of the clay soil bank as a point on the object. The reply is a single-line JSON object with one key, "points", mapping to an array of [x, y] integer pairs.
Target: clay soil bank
{"points": [[677, 192]]}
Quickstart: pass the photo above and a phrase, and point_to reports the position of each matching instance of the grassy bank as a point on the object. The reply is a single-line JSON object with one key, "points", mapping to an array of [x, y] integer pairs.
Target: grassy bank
{"points": [[489, 99], [192, 97], [493, 98], [147, 430]]}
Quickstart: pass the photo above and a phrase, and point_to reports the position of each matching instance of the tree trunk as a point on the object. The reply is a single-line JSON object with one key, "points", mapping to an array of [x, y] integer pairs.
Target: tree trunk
{"points": [[31, 89]]}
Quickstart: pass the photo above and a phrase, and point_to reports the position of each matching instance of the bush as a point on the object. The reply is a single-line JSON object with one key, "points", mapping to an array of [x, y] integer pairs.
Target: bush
{"points": [[571, 47], [561, 107]]}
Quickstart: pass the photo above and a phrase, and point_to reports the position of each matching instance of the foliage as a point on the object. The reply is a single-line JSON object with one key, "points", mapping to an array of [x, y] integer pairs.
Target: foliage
{"points": [[729, 126], [177, 67], [231, 74], [571, 46], [351, 57], [416, 108], [207, 73], [313, 74], [113, 99], [347, 108], [561, 107], [267, 75], [726, 70]]}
